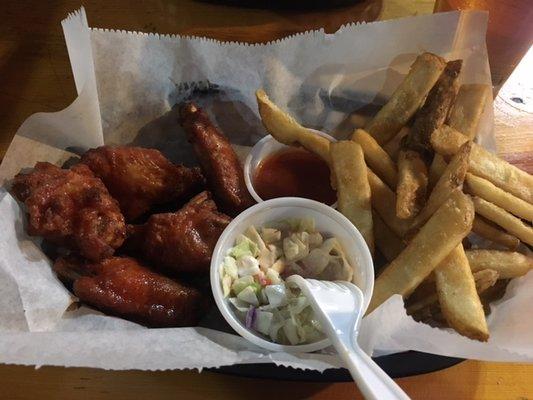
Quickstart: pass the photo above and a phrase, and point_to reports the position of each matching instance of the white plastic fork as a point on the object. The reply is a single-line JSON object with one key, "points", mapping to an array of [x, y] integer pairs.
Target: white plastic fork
{"points": [[339, 307]]}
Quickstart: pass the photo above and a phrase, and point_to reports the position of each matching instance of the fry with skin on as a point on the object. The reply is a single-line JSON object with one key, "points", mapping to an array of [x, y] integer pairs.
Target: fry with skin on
{"points": [[407, 98], [451, 180], [412, 184], [353, 190], [384, 202], [428, 248], [392, 147], [504, 219], [416, 148], [434, 111], [508, 264], [492, 233], [437, 167], [376, 157], [388, 243], [458, 298], [447, 141], [286, 130], [468, 108], [486, 190]]}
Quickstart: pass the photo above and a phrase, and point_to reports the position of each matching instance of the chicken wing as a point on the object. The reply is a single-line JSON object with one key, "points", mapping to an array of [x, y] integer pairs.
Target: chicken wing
{"points": [[139, 178], [72, 208], [123, 287], [182, 241], [218, 160]]}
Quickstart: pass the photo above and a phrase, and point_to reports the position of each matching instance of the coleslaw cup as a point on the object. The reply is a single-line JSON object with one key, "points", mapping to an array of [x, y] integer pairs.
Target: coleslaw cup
{"points": [[327, 221], [261, 150]]}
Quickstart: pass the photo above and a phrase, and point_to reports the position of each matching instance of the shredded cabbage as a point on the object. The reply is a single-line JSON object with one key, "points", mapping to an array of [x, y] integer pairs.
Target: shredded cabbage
{"points": [[250, 277]]}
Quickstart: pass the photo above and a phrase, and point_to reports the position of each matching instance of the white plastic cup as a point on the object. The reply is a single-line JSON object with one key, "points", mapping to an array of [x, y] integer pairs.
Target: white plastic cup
{"points": [[261, 150], [327, 221]]}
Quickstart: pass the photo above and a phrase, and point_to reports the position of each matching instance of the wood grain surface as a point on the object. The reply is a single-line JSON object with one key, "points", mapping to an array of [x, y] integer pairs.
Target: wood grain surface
{"points": [[35, 76]]}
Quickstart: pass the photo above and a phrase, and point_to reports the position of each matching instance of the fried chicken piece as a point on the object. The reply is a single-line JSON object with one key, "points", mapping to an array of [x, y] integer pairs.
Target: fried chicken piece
{"points": [[140, 178], [71, 208], [182, 241], [123, 287], [218, 160]]}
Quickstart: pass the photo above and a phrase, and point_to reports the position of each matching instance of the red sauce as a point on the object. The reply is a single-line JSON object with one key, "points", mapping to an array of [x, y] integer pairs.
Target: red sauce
{"points": [[294, 172]]}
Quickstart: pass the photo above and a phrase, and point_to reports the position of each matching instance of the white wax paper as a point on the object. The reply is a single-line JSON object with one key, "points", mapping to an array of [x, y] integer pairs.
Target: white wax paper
{"points": [[127, 86]]}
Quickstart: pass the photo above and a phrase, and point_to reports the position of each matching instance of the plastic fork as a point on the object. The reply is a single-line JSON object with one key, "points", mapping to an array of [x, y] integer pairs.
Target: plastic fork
{"points": [[339, 307]]}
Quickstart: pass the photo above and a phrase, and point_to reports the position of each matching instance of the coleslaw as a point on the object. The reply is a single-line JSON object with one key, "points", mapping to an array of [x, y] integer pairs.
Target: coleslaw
{"points": [[253, 278]]}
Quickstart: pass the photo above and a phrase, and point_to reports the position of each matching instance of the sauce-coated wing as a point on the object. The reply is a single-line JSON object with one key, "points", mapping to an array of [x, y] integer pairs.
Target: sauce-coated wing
{"points": [[182, 241], [218, 160], [139, 178], [123, 287], [71, 207]]}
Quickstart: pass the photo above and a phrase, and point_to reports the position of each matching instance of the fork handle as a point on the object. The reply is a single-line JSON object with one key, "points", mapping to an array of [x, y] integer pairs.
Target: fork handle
{"points": [[372, 381]]}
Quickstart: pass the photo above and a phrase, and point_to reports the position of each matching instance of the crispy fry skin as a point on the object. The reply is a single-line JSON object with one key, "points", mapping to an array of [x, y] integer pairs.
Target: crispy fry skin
{"points": [[458, 297], [392, 147], [412, 184], [407, 98], [218, 160], [468, 108], [491, 232], [447, 141], [124, 287], [431, 245], [140, 178], [353, 190], [182, 241], [434, 111], [71, 207]]}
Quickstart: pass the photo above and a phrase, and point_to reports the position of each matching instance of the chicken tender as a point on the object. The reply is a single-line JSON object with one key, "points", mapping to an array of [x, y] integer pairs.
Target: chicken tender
{"points": [[140, 178], [123, 287], [218, 160], [182, 241], [71, 208]]}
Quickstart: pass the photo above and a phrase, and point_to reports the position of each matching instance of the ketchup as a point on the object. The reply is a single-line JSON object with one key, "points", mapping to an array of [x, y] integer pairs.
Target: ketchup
{"points": [[294, 172]]}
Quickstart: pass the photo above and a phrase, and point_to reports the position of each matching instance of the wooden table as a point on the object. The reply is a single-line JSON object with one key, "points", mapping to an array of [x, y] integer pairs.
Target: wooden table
{"points": [[35, 74]]}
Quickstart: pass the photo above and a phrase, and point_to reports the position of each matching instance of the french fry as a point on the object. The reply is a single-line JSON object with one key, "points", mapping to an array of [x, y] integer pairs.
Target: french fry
{"points": [[506, 220], [447, 141], [412, 184], [508, 264], [434, 111], [468, 107], [428, 248], [384, 202], [486, 190], [437, 167], [286, 130], [376, 157], [451, 180], [492, 233], [353, 190], [484, 279], [392, 147], [388, 243], [458, 298], [407, 97]]}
